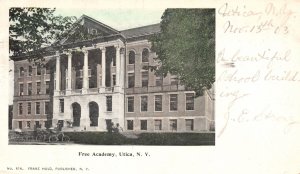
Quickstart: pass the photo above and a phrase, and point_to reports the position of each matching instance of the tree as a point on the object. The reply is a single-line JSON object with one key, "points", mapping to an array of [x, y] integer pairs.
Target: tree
{"points": [[186, 47], [33, 31]]}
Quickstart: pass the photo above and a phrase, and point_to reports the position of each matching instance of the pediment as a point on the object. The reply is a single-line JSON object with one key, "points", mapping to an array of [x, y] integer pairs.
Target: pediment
{"points": [[93, 27]]}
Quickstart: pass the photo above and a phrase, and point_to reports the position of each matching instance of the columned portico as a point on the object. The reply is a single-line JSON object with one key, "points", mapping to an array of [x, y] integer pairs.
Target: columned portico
{"points": [[80, 63]]}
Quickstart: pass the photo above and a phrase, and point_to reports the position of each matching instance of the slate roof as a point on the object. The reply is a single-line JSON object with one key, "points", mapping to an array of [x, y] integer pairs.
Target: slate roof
{"points": [[141, 31]]}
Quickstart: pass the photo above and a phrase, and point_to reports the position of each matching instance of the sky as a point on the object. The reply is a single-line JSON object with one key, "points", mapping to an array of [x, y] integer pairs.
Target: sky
{"points": [[119, 19]]}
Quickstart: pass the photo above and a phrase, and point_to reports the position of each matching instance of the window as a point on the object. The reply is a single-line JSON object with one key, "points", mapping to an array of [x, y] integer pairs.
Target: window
{"points": [[173, 125], [21, 71], [21, 89], [61, 105], [47, 87], [38, 70], [189, 124], [130, 104], [190, 101], [144, 103], [145, 79], [174, 80], [158, 81], [129, 124], [145, 55], [47, 70], [38, 87], [46, 107], [93, 31], [173, 102], [114, 79], [48, 123], [28, 124], [29, 89], [131, 57], [114, 61], [79, 73], [158, 103], [37, 108], [157, 124], [108, 103], [143, 124], [28, 108], [37, 124], [130, 80], [30, 71], [79, 83], [20, 108], [20, 124]]}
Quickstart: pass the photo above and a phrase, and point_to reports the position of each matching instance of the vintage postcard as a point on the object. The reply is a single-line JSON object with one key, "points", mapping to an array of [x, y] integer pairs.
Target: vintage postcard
{"points": [[106, 84], [150, 87]]}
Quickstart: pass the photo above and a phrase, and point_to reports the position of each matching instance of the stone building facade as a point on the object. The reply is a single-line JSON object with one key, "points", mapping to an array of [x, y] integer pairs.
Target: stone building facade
{"points": [[90, 86]]}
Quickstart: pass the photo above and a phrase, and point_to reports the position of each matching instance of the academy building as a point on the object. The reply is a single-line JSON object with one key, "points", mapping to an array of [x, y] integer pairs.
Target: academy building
{"points": [[92, 85]]}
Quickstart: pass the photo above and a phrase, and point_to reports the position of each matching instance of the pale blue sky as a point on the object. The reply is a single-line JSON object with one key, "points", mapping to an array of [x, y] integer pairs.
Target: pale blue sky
{"points": [[119, 19]]}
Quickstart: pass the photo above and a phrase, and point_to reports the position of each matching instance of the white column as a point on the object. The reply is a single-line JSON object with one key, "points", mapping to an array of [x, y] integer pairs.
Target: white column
{"points": [[103, 66], [122, 78], [117, 65], [85, 72], [69, 87], [57, 78]]}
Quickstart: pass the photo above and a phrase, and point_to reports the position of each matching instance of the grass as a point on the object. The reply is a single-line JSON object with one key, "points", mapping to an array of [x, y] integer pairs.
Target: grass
{"points": [[105, 138]]}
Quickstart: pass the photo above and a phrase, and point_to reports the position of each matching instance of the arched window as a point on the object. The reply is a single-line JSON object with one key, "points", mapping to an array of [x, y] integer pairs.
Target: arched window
{"points": [[22, 71], [145, 55], [131, 57], [30, 71]]}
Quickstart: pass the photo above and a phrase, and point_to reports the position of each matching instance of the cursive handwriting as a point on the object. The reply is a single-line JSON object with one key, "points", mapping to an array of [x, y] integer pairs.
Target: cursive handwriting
{"points": [[282, 11], [236, 77], [271, 18], [259, 27], [235, 96], [227, 11], [270, 9], [290, 76], [269, 55]]}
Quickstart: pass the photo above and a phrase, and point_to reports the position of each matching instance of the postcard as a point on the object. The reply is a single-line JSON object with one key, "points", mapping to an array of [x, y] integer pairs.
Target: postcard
{"points": [[149, 87]]}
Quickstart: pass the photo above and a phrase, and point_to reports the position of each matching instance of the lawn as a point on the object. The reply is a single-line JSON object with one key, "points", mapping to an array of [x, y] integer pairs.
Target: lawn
{"points": [[105, 138]]}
